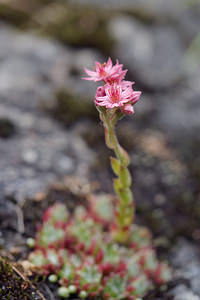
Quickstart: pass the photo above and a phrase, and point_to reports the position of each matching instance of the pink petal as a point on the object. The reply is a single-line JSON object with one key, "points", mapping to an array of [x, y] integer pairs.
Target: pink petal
{"points": [[127, 93], [87, 78], [109, 63], [98, 64], [101, 98], [89, 72]]}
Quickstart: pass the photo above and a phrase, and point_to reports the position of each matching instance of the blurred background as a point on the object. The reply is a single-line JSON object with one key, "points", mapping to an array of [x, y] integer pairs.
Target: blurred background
{"points": [[49, 127]]}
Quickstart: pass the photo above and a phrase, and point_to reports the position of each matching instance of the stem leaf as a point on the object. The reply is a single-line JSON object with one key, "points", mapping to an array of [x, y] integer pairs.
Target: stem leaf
{"points": [[115, 165], [125, 177], [117, 186], [126, 195]]}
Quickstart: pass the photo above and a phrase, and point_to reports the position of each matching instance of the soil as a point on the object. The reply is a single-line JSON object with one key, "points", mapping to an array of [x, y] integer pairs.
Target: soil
{"points": [[32, 213]]}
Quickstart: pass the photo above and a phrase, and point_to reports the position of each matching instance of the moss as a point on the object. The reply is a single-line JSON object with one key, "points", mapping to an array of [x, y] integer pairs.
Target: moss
{"points": [[140, 13], [12, 286], [73, 24], [68, 110], [18, 12], [13, 15], [76, 25]]}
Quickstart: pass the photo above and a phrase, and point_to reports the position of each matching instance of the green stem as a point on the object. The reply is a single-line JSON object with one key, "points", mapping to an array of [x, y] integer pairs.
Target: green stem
{"points": [[122, 184]]}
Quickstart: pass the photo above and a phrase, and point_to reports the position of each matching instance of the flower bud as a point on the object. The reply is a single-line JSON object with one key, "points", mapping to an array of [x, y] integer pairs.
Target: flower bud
{"points": [[128, 109], [100, 92]]}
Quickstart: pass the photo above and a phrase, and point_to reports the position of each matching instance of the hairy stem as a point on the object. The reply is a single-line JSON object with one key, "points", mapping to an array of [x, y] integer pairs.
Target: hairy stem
{"points": [[122, 184]]}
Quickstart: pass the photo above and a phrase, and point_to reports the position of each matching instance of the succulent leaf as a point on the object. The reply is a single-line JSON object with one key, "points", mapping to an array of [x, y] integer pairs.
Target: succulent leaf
{"points": [[115, 288], [37, 258], [49, 235], [83, 254]]}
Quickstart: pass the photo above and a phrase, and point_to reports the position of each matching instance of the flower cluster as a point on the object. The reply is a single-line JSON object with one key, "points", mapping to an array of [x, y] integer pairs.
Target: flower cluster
{"points": [[116, 93], [79, 252]]}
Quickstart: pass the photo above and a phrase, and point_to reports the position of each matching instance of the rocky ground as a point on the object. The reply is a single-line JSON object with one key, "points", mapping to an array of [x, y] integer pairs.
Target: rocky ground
{"points": [[49, 128]]}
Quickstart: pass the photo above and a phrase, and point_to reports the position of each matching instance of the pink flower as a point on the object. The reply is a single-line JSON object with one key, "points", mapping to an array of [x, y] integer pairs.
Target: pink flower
{"points": [[106, 72], [117, 95], [117, 92]]}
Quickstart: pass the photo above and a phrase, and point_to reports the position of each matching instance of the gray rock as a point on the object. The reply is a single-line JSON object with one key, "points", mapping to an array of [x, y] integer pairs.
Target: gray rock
{"points": [[186, 261], [40, 151], [179, 112], [189, 21], [181, 292], [153, 54]]}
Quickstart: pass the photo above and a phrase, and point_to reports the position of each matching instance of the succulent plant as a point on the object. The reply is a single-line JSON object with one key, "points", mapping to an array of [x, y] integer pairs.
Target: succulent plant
{"points": [[80, 252], [99, 252]]}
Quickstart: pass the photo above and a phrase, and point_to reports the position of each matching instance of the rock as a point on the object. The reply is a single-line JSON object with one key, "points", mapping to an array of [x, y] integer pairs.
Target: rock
{"points": [[185, 260], [189, 21], [160, 10], [27, 62], [33, 70], [179, 113], [181, 292], [153, 54]]}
